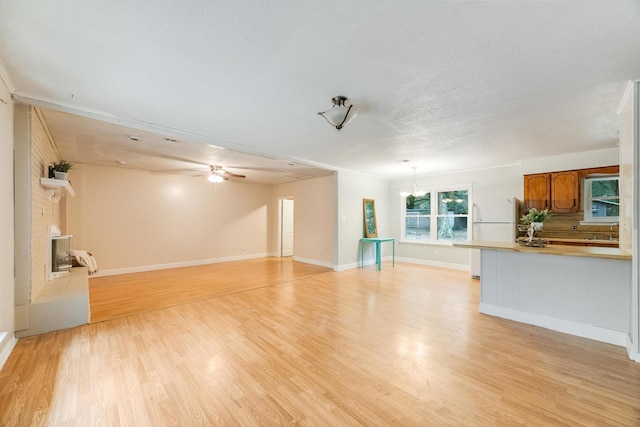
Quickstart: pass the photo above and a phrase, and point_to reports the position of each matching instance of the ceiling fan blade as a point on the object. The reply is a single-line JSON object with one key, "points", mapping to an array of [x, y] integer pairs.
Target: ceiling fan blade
{"points": [[220, 170]]}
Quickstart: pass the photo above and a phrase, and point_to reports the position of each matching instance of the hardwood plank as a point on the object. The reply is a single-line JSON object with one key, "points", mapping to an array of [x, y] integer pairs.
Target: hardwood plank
{"points": [[123, 295], [400, 346]]}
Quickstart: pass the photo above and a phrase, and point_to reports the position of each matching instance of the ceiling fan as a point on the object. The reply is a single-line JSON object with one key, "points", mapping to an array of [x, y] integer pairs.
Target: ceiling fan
{"points": [[219, 174]]}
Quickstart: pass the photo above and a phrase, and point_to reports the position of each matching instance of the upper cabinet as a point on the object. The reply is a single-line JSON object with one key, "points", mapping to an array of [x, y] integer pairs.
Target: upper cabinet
{"points": [[558, 191], [565, 191], [537, 191]]}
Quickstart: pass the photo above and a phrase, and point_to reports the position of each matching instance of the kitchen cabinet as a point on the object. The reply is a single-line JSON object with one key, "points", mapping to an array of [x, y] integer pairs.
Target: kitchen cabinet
{"points": [[556, 191], [537, 191], [565, 191]]}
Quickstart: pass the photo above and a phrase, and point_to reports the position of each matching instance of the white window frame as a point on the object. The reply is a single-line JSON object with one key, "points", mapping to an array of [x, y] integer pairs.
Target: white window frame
{"points": [[433, 216], [587, 201]]}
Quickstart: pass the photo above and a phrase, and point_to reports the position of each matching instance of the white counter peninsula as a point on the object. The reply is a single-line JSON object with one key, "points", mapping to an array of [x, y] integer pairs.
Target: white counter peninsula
{"points": [[579, 290]]}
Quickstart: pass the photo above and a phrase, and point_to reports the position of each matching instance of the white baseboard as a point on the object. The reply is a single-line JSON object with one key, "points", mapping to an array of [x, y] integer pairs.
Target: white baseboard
{"points": [[7, 348], [573, 328], [633, 355], [350, 266], [154, 267], [452, 266], [314, 262]]}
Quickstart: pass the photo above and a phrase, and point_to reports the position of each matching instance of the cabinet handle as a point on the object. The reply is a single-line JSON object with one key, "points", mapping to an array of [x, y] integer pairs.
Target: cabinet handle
{"points": [[574, 202], [545, 203]]}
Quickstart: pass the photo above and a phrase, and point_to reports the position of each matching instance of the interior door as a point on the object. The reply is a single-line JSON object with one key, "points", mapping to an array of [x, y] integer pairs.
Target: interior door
{"points": [[287, 227]]}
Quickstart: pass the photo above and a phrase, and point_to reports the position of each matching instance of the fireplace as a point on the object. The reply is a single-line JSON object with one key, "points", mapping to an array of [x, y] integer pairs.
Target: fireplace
{"points": [[60, 252]]}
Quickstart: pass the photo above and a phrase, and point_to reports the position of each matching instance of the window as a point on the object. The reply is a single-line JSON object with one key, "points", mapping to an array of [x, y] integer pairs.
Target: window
{"points": [[417, 218], [447, 212], [602, 198]]}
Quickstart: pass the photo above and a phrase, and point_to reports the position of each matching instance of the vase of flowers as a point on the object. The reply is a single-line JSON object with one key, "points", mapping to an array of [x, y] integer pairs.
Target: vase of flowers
{"points": [[534, 218]]}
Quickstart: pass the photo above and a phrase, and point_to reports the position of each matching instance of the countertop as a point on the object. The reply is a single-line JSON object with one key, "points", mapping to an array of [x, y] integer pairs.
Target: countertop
{"points": [[581, 251], [584, 242]]}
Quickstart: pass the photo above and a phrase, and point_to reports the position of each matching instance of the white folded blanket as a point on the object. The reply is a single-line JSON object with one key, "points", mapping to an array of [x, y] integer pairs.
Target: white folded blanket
{"points": [[85, 259]]}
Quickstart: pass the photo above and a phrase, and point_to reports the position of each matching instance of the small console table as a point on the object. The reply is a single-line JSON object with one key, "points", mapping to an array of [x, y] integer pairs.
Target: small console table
{"points": [[377, 241]]}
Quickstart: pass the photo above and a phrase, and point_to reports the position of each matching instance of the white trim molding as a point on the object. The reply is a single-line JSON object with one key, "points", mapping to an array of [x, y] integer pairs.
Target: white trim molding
{"points": [[154, 267], [7, 348], [573, 328]]}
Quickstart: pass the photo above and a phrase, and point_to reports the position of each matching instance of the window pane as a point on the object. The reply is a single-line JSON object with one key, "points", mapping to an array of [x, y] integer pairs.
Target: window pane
{"points": [[453, 202], [605, 207], [604, 187], [417, 228], [452, 228], [419, 205]]}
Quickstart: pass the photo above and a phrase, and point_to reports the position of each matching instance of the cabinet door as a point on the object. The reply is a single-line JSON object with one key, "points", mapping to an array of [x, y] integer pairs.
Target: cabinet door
{"points": [[565, 191], [537, 191]]}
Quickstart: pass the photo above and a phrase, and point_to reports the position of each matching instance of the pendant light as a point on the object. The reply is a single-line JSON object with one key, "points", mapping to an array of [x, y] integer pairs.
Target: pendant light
{"points": [[414, 187]]}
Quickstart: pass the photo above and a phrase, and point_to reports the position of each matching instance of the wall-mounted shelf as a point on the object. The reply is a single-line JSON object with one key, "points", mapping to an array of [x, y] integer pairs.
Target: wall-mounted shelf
{"points": [[56, 186]]}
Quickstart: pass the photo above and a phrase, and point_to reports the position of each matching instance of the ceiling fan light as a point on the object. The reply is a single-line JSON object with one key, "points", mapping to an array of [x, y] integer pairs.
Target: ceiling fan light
{"points": [[215, 178]]}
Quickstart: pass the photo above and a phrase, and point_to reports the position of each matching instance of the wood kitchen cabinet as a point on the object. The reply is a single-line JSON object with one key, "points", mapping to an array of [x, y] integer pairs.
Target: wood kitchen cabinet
{"points": [[565, 191], [559, 191], [537, 191], [556, 191]]}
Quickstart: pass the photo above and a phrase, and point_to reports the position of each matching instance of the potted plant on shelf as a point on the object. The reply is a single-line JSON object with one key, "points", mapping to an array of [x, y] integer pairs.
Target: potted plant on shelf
{"points": [[60, 169]]}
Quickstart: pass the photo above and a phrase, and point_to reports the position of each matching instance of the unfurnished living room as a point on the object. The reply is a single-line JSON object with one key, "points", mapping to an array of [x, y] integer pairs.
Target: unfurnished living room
{"points": [[251, 213]]}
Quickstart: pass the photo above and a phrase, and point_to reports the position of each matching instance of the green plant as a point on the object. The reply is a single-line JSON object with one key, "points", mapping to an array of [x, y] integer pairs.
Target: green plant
{"points": [[535, 215], [62, 166]]}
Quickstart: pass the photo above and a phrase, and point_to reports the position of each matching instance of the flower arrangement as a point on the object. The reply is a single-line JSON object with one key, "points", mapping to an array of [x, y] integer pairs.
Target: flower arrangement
{"points": [[534, 215]]}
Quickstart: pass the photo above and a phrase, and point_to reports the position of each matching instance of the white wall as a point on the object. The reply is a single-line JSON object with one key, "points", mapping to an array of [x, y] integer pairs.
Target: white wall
{"points": [[626, 171], [132, 220], [583, 160], [352, 188], [44, 212], [313, 222], [491, 190], [7, 340], [629, 111]]}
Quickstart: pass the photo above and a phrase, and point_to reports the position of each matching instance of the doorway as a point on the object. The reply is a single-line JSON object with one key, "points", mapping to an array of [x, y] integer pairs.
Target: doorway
{"points": [[286, 227]]}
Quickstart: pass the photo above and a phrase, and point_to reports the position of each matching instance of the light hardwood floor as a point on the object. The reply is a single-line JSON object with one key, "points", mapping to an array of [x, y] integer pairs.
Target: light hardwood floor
{"points": [[401, 346]]}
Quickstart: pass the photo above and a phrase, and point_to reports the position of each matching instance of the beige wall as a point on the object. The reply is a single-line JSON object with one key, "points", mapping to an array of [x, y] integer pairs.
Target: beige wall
{"points": [[44, 212], [314, 219], [7, 339], [352, 189], [133, 220]]}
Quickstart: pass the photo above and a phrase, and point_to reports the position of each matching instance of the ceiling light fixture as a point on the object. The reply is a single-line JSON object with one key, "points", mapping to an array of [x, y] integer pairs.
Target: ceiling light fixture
{"points": [[214, 177], [414, 187], [338, 115]]}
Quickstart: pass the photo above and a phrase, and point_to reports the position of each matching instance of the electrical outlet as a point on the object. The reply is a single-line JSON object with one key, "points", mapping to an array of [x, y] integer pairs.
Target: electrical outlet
{"points": [[574, 227]]}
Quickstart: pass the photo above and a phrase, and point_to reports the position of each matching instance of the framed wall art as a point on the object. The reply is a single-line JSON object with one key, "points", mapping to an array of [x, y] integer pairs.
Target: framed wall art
{"points": [[370, 226]]}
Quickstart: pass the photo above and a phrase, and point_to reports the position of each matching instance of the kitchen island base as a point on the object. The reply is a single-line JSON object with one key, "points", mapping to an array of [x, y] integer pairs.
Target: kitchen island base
{"points": [[587, 297]]}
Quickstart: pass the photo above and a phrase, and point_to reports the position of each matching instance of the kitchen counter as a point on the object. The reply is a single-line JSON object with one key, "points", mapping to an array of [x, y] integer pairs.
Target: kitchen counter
{"points": [[579, 290], [566, 250], [582, 242]]}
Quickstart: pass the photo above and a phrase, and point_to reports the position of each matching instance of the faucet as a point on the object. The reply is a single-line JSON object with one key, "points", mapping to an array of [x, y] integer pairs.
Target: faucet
{"points": [[611, 229]]}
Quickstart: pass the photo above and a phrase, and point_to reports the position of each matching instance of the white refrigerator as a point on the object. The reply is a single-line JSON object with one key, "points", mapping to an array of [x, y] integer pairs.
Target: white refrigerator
{"points": [[498, 224]]}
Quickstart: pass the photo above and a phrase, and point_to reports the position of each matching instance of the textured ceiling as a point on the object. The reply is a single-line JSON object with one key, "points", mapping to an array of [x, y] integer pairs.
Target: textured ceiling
{"points": [[445, 85]]}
